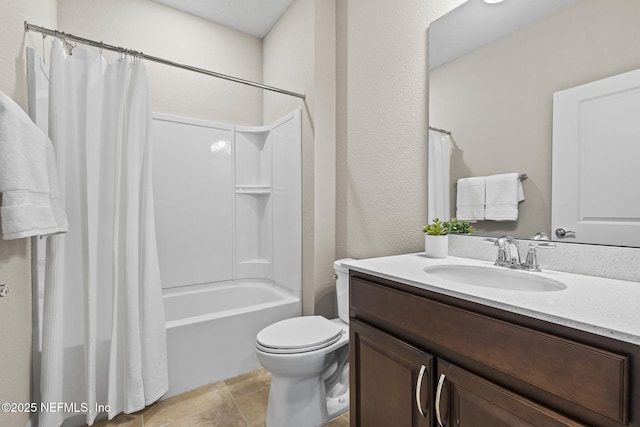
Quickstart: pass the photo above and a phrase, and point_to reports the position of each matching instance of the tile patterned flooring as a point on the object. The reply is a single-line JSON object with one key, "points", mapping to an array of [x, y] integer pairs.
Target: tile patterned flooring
{"points": [[237, 402]]}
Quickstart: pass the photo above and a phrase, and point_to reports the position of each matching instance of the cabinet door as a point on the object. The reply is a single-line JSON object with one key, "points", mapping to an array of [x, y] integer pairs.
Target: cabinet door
{"points": [[464, 399], [391, 381]]}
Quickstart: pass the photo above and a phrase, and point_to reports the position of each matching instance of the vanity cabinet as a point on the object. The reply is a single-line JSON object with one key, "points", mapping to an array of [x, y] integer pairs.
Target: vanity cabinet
{"points": [[394, 380], [483, 366]]}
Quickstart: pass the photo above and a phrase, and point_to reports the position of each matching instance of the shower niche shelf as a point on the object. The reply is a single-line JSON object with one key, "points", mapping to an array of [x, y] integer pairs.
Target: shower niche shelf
{"points": [[253, 157], [253, 231], [253, 204], [255, 190]]}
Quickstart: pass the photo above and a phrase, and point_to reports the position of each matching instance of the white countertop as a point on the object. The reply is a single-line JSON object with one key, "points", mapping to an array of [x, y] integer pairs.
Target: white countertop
{"points": [[606, 307]]}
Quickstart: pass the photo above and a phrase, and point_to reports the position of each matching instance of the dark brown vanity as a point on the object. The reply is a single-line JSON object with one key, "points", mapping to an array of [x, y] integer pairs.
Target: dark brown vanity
{"points": [[424, 358]]}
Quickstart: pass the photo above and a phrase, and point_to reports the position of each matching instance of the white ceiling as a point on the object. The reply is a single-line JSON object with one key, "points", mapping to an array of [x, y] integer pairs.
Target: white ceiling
{"points": [[255, 17], [476, 23]]}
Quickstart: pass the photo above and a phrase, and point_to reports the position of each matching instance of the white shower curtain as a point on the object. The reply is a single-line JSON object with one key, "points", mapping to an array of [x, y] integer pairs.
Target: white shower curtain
{"points": [[439, 188], [104, 344]]}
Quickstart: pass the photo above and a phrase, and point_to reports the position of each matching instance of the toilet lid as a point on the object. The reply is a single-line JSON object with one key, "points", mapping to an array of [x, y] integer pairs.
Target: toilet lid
{"points": [[299, 334]]}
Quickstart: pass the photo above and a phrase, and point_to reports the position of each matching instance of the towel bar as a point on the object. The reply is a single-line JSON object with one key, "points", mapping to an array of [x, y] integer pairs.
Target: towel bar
{"points": [[522, 177]]}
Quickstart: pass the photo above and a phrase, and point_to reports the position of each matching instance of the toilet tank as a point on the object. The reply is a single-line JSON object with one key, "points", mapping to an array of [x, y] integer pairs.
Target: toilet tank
{"points": [[342, 288]]}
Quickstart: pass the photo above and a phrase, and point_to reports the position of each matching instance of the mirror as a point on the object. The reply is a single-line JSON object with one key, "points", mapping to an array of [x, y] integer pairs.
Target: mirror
{"points": [[491, 85]]}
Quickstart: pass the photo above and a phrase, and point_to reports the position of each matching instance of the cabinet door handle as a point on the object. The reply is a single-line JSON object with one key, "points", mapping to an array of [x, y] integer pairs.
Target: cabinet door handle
{"points": [[438, 395], [419, 391]]}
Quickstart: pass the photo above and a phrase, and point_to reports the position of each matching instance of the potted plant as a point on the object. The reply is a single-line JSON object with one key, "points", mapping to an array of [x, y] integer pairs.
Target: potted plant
{"points": [[456, 226], [436, 239]]}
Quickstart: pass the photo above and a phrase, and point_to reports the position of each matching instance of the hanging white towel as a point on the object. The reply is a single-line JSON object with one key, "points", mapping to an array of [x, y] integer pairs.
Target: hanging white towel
{"points": [[31, 203], [504, 192], [470, 199]]}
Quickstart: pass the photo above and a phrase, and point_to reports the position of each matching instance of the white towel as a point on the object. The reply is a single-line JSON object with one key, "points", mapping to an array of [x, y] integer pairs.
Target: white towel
{"points": [[31, 203], [504, 192], [470, 198]]}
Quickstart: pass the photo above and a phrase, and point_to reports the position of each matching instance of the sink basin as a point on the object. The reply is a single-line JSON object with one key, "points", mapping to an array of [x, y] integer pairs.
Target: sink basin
{"points": [[494, 277]]}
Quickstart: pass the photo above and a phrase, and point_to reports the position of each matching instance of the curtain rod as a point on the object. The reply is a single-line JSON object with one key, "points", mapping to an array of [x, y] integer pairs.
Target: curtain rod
{"points": [[440, 130], [48, 32]]}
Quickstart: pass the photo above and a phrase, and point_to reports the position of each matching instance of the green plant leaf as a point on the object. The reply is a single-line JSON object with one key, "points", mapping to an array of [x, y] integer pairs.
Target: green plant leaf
{"points": [[436, 228], [456, 226]]}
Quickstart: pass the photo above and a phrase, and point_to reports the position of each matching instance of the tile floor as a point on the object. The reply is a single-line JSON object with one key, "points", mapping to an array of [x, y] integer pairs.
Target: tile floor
{"points": [[238, 402]]}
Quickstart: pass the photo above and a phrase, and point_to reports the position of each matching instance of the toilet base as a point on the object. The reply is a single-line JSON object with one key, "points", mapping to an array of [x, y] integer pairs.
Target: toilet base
{"points": [[302, 402]]}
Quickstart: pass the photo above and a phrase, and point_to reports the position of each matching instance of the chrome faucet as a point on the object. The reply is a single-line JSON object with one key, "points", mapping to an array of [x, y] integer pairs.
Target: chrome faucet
{"points": [[509, 254]]}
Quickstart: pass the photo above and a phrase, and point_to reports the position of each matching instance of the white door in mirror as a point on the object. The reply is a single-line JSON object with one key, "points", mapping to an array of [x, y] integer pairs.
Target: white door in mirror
{"points": [[596, 147]]}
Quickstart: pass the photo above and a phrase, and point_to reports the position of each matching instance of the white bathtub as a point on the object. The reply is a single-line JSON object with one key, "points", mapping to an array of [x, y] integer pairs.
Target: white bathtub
{"points": [[211, 329]]}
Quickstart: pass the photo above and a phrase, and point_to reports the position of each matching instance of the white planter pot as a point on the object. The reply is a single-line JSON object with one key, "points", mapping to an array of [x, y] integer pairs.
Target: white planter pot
{"points": [[436, 246]]}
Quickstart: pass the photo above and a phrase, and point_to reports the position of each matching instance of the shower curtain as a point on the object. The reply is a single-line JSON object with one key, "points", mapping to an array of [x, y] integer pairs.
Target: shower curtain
{"points": [[104, 345], [439, 188]]}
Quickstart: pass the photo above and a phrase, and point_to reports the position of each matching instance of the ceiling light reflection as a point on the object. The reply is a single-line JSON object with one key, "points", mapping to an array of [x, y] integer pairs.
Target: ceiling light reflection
{"points": [[218, 146]]}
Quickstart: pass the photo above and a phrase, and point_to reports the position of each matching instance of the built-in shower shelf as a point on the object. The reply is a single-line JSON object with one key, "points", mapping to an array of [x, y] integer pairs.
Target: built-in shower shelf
{"points": [[253, 189], [255, 261], [254, 268]]}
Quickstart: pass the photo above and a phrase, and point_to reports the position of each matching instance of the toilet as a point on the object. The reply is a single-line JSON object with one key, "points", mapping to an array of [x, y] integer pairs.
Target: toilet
{"points": [[308, 358]]}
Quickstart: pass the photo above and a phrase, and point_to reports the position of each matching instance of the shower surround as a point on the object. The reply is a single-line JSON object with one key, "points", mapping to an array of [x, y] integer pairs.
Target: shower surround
{"points": [[228, 224]]}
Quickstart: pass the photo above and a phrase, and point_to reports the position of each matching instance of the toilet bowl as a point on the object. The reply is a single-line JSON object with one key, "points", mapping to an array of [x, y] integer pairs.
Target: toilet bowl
{"points": [[308, 358]]}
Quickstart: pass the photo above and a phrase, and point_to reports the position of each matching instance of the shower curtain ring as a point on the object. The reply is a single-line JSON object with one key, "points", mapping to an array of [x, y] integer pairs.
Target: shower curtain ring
{"points": [[67, 45]]}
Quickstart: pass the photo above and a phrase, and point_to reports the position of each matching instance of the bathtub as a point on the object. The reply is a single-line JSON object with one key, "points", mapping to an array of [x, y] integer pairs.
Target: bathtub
{"points": [[211, 329]]}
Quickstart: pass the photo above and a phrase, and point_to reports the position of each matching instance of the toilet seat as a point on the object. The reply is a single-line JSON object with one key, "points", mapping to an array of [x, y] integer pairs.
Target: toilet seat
{"points": [[298, 335]]}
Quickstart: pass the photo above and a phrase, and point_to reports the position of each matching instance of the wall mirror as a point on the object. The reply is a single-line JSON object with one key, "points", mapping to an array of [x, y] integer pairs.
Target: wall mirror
{"points": [[493, 70]]}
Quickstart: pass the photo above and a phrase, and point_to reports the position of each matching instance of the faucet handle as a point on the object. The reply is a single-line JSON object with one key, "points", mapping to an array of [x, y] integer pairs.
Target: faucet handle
{"points": [[531, 262], [542, 244]]}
